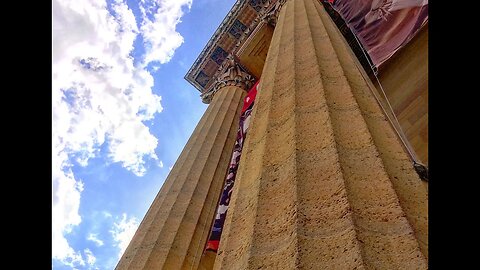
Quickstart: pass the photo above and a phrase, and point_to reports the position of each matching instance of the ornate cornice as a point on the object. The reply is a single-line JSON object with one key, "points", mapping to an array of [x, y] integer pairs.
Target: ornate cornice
{"points": [[203, 74], [231, 74], [210, 46], [266, 8]]}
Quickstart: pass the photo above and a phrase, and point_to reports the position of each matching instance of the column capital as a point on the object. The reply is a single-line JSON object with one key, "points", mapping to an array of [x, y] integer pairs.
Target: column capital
{"points": [[231, 74], [271, 16]]}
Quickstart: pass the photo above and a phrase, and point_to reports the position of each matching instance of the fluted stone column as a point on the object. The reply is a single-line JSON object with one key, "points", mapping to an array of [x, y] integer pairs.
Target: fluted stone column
{"points": [[174, 231], [323, 181]]}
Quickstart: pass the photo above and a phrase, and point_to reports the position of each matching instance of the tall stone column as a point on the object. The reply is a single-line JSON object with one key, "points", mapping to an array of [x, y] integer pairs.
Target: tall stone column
{"points": [[323, 182], [174, 231]]}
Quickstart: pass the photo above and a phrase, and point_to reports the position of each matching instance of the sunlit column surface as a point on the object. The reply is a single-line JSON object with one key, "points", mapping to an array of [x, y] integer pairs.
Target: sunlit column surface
{"points": [[323, 181], [174, 231]]}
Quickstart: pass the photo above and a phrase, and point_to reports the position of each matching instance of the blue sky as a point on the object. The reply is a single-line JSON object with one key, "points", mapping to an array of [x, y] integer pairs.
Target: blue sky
{"points": [[121, 114]]}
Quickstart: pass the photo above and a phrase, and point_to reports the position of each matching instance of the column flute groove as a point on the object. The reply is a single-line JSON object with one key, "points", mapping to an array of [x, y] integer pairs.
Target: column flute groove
{"points": [[152, 213], [165, 236], [194, 212], [411, 193], [276, 189], [332, 235], [243, 205], [158, 258], [161, 216], [196, 245], [390, 210]]}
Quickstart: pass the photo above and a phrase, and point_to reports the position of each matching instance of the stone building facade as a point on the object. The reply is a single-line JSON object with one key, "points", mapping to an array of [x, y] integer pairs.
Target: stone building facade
{"points": [[324, 180]]}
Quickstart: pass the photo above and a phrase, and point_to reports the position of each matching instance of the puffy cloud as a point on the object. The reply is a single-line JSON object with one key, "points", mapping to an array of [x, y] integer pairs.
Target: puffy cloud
{"points": [[66, 202], [123, 232], [94, 238], [90, 258], [101, 97], [158, 28]]}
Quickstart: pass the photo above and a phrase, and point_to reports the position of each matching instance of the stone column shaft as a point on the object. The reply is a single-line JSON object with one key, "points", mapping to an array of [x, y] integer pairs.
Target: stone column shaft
{"points": [[323, 181], [174, 231]]}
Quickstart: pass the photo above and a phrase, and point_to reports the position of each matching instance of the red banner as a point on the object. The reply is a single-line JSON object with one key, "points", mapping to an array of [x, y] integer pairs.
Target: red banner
{"points": [[222, 208], [383, 26]]}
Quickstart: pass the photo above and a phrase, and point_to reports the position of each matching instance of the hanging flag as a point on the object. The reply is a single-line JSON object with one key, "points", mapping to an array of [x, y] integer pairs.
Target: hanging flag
{"points": [[216, 232], [382, 26]]}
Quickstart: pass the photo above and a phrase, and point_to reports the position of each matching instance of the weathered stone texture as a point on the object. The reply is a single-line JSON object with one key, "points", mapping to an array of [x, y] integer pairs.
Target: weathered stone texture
{"points": [[324, 182]]}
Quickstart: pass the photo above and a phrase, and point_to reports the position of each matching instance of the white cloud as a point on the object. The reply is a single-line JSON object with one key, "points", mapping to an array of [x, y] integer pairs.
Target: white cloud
{"points": [[107, 214], [65, 201], [160, 18], [123, 232], [160, 164], [90, 258], [94, 238], [100, 96]]}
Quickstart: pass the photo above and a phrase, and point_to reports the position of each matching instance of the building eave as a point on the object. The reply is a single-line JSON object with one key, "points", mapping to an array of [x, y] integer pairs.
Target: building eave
{"points": [[241, 11]]}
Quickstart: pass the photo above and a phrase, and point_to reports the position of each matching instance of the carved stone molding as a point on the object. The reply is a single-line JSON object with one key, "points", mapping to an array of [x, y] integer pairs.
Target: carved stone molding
{"points": [[231, 74]]}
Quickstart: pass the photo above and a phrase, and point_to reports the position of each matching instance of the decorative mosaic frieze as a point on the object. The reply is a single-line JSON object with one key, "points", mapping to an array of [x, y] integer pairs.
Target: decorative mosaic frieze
{"points": [[237, 29], [219, 55], [202, 79], [258, 4]]}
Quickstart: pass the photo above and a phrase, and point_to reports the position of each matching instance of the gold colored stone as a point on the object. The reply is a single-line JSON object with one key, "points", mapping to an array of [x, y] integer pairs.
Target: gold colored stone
{"points": [[323, 182], [254, 50]]}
